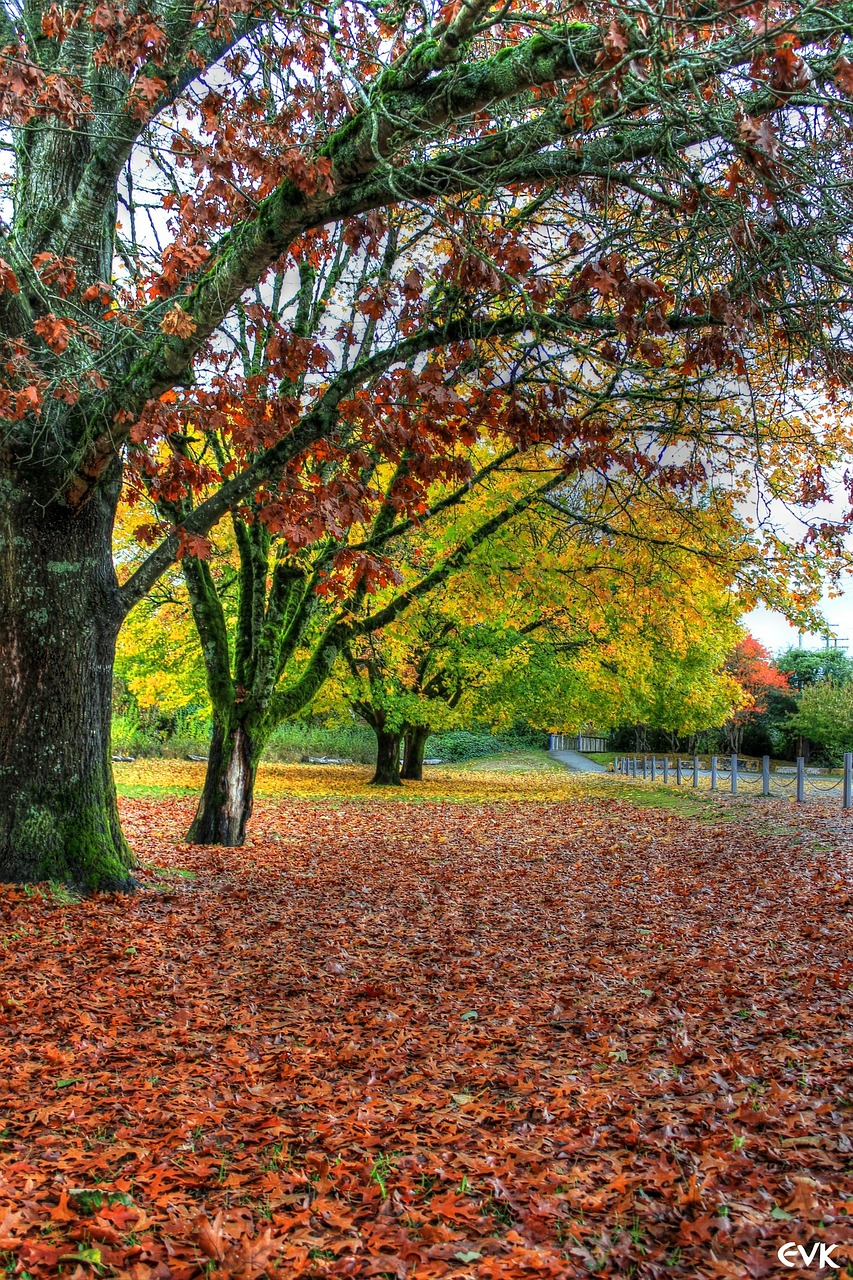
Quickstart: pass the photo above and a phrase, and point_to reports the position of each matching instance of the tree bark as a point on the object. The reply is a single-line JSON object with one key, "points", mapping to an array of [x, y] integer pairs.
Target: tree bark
{"points": [[225, 805], [387, 759], [60, 614], [414, 747]]}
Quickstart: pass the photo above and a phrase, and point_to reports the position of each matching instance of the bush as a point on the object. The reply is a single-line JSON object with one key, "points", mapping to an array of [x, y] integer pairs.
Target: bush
{"points": [[464, 744], [298, 739], [187, 733], [130, 738], [148, 733]]}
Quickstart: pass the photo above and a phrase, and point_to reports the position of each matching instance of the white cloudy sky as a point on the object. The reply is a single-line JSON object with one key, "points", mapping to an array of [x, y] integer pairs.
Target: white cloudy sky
{"points": [[777, 634]]}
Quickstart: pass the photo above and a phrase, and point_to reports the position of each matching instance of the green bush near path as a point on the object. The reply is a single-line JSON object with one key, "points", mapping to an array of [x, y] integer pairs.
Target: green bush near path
{"points": [[186, 734]]}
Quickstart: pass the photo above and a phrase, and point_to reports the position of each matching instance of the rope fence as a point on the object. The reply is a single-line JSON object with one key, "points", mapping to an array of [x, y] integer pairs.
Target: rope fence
{"points": [[736, 778]]}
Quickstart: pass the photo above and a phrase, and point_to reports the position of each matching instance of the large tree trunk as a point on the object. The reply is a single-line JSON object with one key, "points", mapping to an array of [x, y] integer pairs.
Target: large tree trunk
{"points": [[59, 616], [387, 759], [226, 801], [414, 747]]}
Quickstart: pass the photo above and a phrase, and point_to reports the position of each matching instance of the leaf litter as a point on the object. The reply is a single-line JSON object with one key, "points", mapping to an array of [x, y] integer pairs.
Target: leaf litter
{"points": [[495, 1039]]}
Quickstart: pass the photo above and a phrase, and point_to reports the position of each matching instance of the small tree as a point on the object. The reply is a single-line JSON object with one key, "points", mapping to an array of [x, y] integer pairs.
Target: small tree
{"points": [[825, 716], [750, 665]]}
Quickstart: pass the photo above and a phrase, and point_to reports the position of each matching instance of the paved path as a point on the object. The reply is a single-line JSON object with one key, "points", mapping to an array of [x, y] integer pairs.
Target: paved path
{"points": [[577, 762]]}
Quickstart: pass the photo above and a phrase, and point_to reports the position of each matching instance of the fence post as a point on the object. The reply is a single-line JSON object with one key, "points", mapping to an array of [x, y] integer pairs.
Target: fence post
{"points": [[696, 771], [633, 766], [801, 780], [644, 768], [713, 773], [666, 768], [734, 774], [654, 767], [678, 771], [765, 775], [847, 796]]}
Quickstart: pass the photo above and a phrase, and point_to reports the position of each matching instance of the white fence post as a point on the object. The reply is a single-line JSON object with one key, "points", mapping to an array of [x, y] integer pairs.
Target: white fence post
{"points": [[734, 774], [713, 773], [654, 767], [765, 775], [666, 768], [696, 771], [678, 771], [847, 800], [801, 780]]}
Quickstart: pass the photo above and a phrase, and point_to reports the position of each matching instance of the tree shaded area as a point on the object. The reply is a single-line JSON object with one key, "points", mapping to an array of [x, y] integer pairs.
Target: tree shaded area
{"points": [[586, 1044]]}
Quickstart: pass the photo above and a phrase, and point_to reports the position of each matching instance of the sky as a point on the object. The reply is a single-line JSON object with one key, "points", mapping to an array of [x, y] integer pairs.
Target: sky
{"points": [[777, 634]]}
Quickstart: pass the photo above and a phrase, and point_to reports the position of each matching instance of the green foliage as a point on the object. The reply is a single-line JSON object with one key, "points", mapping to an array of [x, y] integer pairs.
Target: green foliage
{"points": [[151, 732], [298, 739], [461, 744], [825, 715], [811, 666]]}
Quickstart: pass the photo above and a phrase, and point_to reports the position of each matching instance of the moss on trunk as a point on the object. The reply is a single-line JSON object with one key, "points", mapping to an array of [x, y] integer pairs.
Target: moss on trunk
{"points": [[59, 617]]}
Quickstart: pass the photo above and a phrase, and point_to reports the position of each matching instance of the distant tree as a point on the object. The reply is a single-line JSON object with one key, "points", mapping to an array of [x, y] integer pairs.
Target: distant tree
{"points": [[559, 622], [825, 716], [805, 667], [159, 661], [752, 668]]}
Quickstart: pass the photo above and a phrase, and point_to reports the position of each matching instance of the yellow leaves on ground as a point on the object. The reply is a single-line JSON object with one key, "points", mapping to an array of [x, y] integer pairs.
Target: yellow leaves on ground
{"points": [[527, 776]]}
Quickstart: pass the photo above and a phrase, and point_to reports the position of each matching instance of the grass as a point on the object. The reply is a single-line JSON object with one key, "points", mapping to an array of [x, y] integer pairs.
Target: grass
{"points": [[125, 786], [524, 761]]}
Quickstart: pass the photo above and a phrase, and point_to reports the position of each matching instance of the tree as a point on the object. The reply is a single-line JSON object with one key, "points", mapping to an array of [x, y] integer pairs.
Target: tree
{"points": [[804, 667], [825, 715], [295, 617], [557, 623], [438, 667], [158, 657], [751, 667], [164, 158], [662, 664]]}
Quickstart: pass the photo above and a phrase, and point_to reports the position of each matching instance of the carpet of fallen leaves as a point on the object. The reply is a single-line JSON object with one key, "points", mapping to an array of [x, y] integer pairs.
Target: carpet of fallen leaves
{"points": [[548, 781], [505, 1037]]}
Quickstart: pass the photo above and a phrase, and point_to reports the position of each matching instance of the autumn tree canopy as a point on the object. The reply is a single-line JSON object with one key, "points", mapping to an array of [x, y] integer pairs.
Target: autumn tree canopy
{"points": [[750, 665], [604, 204]]}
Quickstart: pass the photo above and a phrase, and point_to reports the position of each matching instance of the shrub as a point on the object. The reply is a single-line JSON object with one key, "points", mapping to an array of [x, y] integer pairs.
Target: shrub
{"points": [[297, 739], [464, 744]]}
